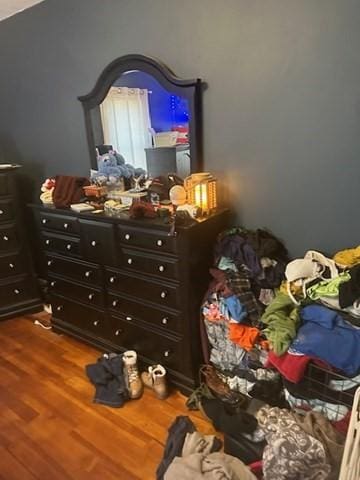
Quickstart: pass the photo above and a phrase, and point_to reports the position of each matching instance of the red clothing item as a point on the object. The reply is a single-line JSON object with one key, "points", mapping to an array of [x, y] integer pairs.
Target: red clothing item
{"points": [[292, 367], [243, 335]]}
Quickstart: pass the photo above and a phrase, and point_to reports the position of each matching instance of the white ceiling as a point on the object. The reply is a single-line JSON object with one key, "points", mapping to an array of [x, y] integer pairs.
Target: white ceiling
{"points": [[10, 7]]}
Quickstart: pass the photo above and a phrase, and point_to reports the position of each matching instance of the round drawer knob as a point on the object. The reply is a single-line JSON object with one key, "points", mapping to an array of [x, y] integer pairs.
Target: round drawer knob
{"points": [[52, 284], [93, 243], [44, 221], [112, 279], [127, 236], [128, 319], [49, 263], [66, 226], [159, 243], [6, 238], [96, 323], [1, 212], [47, 242], [16, 291], [164, 321], [114, 303], [167, 353], [88, 273], [59, 308], [68, 246], [163, 294], [91, 296], [117, 333], [161, 268], [11, 265], [129, 261]]}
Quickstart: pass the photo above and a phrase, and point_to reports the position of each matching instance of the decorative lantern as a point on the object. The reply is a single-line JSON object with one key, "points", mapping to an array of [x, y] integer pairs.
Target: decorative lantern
{"points": [[201, 191]]}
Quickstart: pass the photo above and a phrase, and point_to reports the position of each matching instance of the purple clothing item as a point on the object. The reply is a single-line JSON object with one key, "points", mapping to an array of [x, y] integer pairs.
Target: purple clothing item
{"points": [[240, 251]]}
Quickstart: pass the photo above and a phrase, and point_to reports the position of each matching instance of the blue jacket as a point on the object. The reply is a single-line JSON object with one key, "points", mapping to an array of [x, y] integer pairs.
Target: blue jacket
{"points": [[325, 335]]}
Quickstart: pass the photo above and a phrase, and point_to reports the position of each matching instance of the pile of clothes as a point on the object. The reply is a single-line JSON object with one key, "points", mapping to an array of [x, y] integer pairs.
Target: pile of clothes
{"points": [[285, 332], [189, 455]]}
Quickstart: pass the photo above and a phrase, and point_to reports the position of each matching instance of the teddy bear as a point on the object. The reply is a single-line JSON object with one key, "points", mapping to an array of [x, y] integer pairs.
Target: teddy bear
{"points": [[112, 164]]}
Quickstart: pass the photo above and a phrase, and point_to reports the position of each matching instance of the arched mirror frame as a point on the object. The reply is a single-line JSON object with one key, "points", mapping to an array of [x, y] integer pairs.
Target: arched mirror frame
{"points": [[189, 89]]}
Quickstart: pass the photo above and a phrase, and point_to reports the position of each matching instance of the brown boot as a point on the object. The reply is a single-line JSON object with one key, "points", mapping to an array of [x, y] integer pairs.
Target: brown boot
{"points": [[131, 373], [155, 378]]}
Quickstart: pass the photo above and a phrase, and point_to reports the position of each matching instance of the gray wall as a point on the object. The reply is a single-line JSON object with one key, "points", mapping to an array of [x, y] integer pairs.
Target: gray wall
{"points": [[282, 111]]}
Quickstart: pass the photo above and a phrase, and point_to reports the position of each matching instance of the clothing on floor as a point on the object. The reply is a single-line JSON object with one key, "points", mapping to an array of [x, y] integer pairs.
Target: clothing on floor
{"points": [[343, 385], [215, 466], [315, 388], [332, 411], [266, 296], [174, 443], [243, 335], [326, 336], [282, 320], [245, 449], [107, 377], [226, 263], [291, 454], [291, 366], [224, 354], [202, 391], [197, 443], [270, 392], [349, 291], [348, 257], [319, 427], [240, 252], [240, 285], [327, 288], [237, 311], [232, 422]]}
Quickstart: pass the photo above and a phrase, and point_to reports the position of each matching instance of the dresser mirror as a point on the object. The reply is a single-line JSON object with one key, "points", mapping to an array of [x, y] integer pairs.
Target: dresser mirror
{"points": [[148, 115]]}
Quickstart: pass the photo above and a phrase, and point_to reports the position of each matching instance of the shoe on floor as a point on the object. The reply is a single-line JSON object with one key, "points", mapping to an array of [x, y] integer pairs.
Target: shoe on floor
{"points": [[155, 378], [131, 374]]}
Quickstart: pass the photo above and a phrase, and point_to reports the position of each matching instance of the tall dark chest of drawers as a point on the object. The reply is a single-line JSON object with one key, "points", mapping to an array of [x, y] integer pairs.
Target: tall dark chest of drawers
{"points": [[18, 288], [122, 284]]}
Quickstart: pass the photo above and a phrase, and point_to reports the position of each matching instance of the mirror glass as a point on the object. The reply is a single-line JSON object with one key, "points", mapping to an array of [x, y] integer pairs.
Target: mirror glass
{"points": [[148, 115], [146, 124]]}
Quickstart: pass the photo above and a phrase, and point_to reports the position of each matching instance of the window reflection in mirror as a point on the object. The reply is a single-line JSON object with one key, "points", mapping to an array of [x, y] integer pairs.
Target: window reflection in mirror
{"points": [[147, 124]]}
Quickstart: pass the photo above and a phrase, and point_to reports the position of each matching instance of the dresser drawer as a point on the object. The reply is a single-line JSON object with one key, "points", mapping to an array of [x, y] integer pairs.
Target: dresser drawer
{"points": [[4, 184], [161, 294], [7, 210], [170, 321], [9, 239], [60, 223], [153, 346], [90, 295], [98, 241], [81, 317], [150, 239], [17, 291], [163, 267], [75, 269], [56, 243], [12, 265]]}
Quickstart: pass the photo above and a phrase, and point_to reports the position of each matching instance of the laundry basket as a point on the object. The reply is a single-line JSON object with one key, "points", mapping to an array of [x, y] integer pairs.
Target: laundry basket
{"points": [[350, 465]]}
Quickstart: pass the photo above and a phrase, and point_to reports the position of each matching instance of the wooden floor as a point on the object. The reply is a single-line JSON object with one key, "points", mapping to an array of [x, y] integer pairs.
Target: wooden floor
{"points": [[49, 427]]}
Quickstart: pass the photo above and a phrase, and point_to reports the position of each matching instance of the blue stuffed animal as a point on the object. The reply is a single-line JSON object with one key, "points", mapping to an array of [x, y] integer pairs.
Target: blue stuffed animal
{"points": [[113, 164]]}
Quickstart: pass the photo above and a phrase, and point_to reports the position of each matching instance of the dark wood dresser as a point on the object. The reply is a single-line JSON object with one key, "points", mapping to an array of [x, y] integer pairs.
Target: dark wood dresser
{"points": [[18, 287], [123, 284]]}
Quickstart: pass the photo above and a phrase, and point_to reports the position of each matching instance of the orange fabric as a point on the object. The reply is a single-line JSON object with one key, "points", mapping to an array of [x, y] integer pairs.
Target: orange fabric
{"points": [[264, 344], [243, 335]]}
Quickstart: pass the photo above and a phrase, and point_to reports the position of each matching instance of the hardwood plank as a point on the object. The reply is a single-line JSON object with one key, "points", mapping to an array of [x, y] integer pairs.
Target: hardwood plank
{"points": [[49, 425]]}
